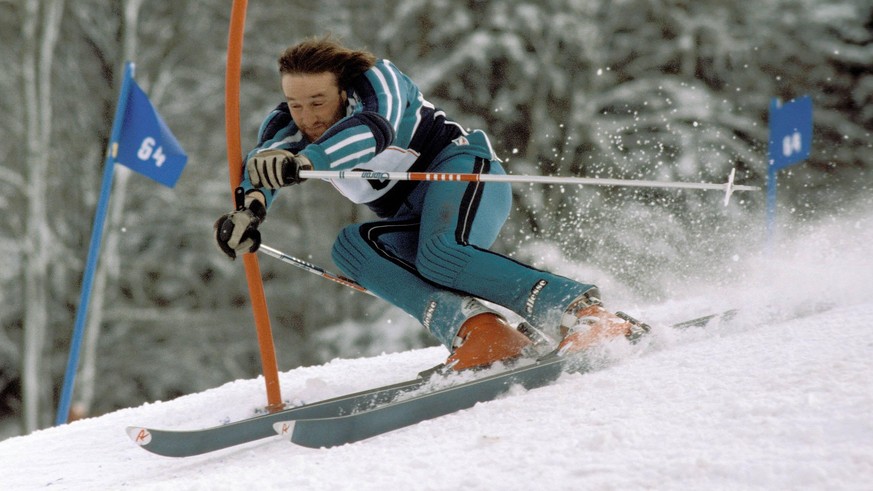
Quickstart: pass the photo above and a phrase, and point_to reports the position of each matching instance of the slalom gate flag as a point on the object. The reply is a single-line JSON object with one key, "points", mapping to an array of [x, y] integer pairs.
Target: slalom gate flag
{"points": [[146, 144], [790, 131], [790, 143], [140, 140]]}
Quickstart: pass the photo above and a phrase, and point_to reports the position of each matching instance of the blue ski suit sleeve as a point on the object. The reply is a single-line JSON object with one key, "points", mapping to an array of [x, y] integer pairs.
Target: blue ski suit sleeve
{"points": [[375, 118], [388, 126], [277, 130]]}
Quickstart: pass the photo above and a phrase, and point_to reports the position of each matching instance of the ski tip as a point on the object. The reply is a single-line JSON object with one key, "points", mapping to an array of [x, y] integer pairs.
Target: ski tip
{"points": [[285, 429], [140, 436]]}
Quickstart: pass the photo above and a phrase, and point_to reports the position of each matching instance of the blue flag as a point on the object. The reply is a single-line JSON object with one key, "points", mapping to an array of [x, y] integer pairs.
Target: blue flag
{"points": [[790, 132], [146, 144], [140, 140]]}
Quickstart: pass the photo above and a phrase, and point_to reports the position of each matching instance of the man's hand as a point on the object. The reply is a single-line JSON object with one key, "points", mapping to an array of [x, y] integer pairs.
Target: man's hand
{"points": [[237, 231], [276, 168]]}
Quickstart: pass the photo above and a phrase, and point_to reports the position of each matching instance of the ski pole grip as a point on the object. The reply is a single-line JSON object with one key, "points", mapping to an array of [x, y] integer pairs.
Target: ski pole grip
{"points": [[239, 197]]}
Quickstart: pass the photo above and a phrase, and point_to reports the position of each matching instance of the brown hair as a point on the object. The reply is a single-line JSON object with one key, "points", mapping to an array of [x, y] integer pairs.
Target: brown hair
{"points": [[325, 54]]}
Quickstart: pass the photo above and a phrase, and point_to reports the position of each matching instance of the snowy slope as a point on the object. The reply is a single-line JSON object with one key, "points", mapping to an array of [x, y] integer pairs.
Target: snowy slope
{"points": [[757, 404], [785, 405]]}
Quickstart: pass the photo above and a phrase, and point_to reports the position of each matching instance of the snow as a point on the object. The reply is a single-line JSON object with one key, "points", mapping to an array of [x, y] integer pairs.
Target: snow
{"points": [[781, 398], [779, 406]]}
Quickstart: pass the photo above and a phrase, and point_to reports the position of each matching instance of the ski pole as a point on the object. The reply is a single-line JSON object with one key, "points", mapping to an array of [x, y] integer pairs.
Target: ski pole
{"points": [[728, 188], [342, 280]]}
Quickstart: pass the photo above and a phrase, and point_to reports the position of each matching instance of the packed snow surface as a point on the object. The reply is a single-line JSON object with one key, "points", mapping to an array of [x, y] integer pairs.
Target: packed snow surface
{"points": [[781, 398], [786, 405]]}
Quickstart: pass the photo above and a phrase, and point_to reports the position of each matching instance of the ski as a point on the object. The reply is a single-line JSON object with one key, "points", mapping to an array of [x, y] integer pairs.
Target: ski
{"points": [[349, 428], [382, 400], [186, 443], [339, 430]]}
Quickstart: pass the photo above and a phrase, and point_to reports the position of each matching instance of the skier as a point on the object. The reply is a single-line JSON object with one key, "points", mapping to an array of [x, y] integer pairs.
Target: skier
{"points": [[429, 254]]}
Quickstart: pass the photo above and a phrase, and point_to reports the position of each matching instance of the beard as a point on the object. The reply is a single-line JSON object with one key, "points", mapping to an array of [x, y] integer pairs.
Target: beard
{"points": [[316, 130]]}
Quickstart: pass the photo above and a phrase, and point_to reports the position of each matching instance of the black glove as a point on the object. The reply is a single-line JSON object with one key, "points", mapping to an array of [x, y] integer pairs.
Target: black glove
{"points": [[237, 231], [276, 168]]}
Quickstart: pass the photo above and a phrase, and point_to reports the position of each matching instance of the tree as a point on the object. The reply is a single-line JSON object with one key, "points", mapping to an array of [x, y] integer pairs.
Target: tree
{"points": [[40, 28]]}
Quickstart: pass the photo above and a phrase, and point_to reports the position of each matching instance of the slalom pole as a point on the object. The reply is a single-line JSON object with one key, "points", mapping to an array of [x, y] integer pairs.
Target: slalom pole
{"points": [[234, 160], [342, 280], [94, 248], [728, 188]]}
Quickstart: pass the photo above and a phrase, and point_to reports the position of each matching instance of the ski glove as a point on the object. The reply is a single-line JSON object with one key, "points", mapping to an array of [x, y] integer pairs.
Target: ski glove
{"points": [[276, 168], [237, 231]]}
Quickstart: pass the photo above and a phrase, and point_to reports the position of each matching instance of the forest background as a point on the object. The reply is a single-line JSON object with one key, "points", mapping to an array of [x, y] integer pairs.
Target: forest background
{"points": [[636, 89]]}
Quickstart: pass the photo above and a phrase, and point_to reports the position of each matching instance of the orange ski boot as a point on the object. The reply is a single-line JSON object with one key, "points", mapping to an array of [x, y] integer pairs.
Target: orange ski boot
{"points": [[586, 323], [484, 339]]}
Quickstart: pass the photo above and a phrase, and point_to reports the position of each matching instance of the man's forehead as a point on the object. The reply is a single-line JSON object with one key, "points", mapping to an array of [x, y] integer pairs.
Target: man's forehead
{"points": [[309, 85]]}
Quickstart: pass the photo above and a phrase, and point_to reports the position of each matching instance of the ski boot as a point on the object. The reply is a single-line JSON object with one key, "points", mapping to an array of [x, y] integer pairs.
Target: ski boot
{"points": [[585, 323], [484, 339]]}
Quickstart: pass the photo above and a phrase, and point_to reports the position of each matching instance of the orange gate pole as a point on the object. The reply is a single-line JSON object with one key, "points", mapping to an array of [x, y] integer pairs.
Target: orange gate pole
{"points": [[234, 160]]}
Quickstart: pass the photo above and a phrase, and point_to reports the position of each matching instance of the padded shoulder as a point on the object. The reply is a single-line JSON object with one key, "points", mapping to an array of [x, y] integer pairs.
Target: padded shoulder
{"points": [[278, 118]]}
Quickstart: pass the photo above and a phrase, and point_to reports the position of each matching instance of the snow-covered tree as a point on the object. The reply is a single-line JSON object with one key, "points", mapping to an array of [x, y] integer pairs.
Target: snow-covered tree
{"points": [[652, 89], [39, 32]]}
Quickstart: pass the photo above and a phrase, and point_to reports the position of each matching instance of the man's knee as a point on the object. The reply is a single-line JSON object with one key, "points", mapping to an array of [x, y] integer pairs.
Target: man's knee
{"points": [[441, 259], [347, 251]]}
